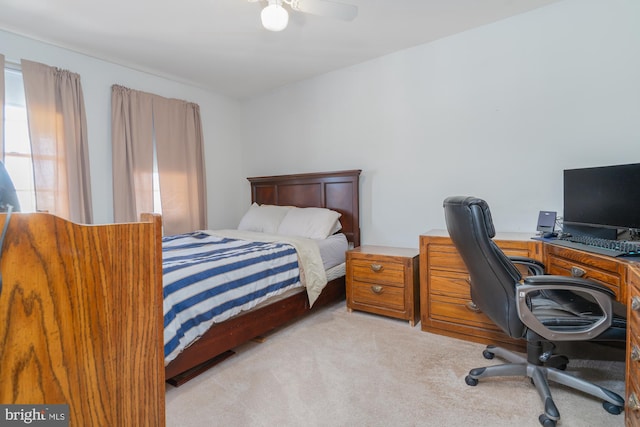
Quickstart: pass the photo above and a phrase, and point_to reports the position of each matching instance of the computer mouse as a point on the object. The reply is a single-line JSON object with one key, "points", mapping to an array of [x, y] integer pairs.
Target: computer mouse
{"points": [[549, 234]]}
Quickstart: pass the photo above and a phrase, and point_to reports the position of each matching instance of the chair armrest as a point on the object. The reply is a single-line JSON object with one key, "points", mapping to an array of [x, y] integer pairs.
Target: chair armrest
{"points": [[567, 283], [534, 267], [595, 324]]}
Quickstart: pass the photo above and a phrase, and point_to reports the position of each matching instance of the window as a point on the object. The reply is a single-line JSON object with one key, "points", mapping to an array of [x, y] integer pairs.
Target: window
{"points": [[17, 154], [157, 202]]}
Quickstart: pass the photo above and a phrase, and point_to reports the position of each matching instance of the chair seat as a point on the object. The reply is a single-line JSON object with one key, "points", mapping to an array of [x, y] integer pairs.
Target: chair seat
{"points": [[566, 311]]}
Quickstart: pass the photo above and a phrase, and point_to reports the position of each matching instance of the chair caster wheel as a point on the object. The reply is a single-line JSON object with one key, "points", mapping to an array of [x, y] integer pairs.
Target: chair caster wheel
{"points": [[470, 380], [487, 354], [546, 421], [611, 408]]}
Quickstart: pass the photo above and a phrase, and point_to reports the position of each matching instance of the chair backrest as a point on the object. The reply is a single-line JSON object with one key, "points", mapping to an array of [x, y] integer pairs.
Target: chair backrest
{"points": [[492, 274]]}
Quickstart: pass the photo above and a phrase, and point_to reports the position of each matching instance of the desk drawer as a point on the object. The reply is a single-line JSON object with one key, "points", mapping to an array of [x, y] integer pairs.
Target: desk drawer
{"points": [[450, 283], [445, 257], [459, 311], [564, 267], [632, 406]]}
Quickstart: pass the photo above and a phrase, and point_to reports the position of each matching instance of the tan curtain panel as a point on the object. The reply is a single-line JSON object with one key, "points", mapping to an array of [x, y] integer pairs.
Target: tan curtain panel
{"points": [[138, 117], [59, 146], [132, 153], [180, 165]]}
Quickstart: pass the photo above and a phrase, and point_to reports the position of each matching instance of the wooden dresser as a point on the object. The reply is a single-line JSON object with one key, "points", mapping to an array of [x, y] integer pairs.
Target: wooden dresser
{"points": [[445, 301], [384, 280]]}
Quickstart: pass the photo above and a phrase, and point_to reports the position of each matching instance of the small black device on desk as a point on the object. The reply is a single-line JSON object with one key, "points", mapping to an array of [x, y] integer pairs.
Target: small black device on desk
{"points": [[547, 224]]}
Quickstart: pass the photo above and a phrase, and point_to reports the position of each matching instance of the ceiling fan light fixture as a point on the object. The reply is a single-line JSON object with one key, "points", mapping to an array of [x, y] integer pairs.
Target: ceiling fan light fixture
{"points": [[274, 17]]}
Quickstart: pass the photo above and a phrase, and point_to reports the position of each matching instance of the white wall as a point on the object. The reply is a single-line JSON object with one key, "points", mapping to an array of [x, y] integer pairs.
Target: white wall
{"points": [[220, 121], [496, 112]]}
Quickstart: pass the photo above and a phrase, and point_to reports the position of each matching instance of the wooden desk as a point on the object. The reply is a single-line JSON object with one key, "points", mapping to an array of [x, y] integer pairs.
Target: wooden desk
{"points": [[445, 301], [447, 309]]}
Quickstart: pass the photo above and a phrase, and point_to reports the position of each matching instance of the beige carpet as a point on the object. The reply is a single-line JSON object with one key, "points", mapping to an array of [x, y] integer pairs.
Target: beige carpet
{"points": [[336, 368]]}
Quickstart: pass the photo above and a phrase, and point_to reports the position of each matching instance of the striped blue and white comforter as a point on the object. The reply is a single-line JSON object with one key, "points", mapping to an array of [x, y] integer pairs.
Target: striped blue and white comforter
{"points": [[209, 278]]}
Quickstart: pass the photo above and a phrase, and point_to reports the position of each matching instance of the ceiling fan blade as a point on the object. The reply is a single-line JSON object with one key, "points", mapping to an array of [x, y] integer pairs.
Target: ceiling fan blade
{"points": [[346, 12]]}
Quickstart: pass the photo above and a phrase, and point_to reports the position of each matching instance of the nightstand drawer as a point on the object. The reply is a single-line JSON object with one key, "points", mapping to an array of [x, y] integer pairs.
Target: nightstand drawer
{"points": [[378, 295], [380, 272]]}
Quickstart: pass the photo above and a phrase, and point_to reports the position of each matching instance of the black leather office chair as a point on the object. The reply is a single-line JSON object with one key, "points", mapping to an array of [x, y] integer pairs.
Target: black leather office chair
{"points": [[540, 309]]}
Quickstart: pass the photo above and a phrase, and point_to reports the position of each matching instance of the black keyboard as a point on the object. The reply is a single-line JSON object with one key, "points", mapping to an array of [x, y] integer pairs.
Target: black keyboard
{"points": [[612, 248]]}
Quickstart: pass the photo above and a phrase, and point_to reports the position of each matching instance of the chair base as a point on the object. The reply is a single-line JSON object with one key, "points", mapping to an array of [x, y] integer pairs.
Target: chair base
{"points": [[540, 376]]}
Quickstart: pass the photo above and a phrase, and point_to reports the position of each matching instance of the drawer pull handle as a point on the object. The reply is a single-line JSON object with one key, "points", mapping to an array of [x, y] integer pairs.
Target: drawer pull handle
{"points": [[635, 353], [376, 267], [471, 306], [635, 303], [633, 403], [577, 272], [376, 289]]}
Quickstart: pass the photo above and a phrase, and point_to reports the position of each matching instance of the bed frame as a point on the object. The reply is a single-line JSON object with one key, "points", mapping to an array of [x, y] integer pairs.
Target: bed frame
{"points": [[334, 190]]}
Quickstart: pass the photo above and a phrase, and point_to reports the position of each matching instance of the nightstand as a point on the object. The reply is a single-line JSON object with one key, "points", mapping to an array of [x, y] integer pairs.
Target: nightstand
{"points": [[384, 280]]}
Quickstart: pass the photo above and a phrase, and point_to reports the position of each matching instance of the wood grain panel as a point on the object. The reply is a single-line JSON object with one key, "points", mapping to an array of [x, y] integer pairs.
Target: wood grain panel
{"points": [[301, 195], [81, 319]]}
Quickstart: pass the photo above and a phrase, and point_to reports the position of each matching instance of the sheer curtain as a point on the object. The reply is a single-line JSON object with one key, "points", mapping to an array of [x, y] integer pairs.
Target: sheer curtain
{"points": [[59, 146], [136, 118]]}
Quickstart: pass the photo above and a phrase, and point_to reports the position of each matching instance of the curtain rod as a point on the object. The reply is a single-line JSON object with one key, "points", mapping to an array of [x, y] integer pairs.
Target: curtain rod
{"points": [[12, 64]]}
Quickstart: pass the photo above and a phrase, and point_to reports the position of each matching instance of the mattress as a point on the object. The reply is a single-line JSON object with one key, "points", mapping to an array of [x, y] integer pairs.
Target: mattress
{"points": [[332, 250]]}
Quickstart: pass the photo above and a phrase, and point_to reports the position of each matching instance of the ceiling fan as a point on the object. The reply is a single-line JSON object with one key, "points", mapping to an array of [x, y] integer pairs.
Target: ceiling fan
{"points": [[275, 17]]}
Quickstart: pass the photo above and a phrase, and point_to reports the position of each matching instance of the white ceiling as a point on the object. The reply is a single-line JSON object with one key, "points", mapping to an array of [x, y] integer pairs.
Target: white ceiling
{"points": [[221, 45]]}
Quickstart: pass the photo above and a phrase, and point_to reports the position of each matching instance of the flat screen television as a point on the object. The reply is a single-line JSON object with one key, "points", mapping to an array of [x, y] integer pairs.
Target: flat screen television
{"points": [[602, 198]]}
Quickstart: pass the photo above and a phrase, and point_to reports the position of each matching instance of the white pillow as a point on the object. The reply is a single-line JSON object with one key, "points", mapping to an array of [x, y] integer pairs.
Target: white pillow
{"points": [[336, 227], [263, 218], [313, 223]]}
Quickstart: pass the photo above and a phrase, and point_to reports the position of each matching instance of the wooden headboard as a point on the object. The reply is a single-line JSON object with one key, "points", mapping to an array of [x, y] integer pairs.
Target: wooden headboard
{"points": [[338, 191]]}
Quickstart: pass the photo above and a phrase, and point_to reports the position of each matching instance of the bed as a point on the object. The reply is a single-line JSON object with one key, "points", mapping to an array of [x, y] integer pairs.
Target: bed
{"points": [[338, 191]]}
